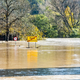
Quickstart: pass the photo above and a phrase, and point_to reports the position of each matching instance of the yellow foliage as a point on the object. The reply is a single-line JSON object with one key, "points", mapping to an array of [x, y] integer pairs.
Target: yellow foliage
{"points": [[55, 13], [34, 31], [67, 11], [69, 16], [11, 30], [30, 31]]}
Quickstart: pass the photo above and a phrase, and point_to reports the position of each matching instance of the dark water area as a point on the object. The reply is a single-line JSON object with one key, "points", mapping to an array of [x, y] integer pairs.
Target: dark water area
{"points": [[39, 72]]}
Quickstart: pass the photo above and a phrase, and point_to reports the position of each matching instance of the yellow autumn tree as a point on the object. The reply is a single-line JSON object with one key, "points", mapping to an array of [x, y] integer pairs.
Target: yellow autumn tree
{"points": [[69, 16], [34, 31]]}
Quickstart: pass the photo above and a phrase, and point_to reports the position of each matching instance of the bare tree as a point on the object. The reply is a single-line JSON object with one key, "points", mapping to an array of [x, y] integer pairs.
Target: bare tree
{"points": [[11, 11]]}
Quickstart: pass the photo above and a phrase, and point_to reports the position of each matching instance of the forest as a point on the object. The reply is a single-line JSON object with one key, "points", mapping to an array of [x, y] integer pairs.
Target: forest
{"points": [[41, 18]]}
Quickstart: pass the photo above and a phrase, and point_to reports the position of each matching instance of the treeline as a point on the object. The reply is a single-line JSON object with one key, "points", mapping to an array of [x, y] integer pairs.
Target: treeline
{"points": [[42, 18]]}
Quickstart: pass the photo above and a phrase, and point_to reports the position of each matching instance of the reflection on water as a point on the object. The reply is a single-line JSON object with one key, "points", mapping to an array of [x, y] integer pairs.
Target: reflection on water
{"points": [[32, 56], [15, 57], [69, 55]]}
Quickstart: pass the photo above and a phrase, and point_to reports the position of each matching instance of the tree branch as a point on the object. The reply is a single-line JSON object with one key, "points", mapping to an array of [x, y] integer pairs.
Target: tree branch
{"points": [[1, 19], [12, 11], [18, 18]]}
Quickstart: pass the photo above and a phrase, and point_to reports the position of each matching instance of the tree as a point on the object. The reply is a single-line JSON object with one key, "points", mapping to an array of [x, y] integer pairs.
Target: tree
{"points": [[34, 7], [12, 11], [69, 16], [60, 6], [28, 29], [43, 24], [41, 21]]}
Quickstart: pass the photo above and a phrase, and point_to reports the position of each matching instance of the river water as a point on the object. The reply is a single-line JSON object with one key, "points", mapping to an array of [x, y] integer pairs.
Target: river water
{"points": [[50, 53]]}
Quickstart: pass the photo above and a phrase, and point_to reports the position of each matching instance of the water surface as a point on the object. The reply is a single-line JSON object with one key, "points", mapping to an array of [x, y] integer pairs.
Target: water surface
{"points": [[50, 53]]}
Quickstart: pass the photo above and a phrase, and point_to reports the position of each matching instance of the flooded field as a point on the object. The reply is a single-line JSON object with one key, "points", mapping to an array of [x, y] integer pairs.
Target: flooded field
{"points": [[51, 59], [50, 53]]}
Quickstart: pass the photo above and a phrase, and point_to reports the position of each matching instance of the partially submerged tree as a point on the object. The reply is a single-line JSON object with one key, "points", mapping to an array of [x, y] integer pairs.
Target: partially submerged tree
{"points": [[10, 12]]}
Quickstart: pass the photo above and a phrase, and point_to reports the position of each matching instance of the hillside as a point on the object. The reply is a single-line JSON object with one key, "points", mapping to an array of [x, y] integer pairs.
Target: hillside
{"points": [[38, 6]]}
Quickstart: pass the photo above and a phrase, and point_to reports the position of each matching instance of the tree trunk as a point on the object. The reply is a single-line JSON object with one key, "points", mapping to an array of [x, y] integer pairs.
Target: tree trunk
{"points": [[7, 33]]}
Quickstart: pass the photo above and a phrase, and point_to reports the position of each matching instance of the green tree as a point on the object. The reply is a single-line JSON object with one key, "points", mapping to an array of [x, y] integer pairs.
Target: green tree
{"points": [[41, 21], [44, 25]]}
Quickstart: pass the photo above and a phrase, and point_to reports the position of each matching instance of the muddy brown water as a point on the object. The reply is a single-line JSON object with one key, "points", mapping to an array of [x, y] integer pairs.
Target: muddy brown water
{"points": [[55, 54]]}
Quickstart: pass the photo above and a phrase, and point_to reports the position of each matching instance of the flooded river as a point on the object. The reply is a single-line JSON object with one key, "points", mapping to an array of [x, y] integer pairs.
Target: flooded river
{"points": [[50, 53]]}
